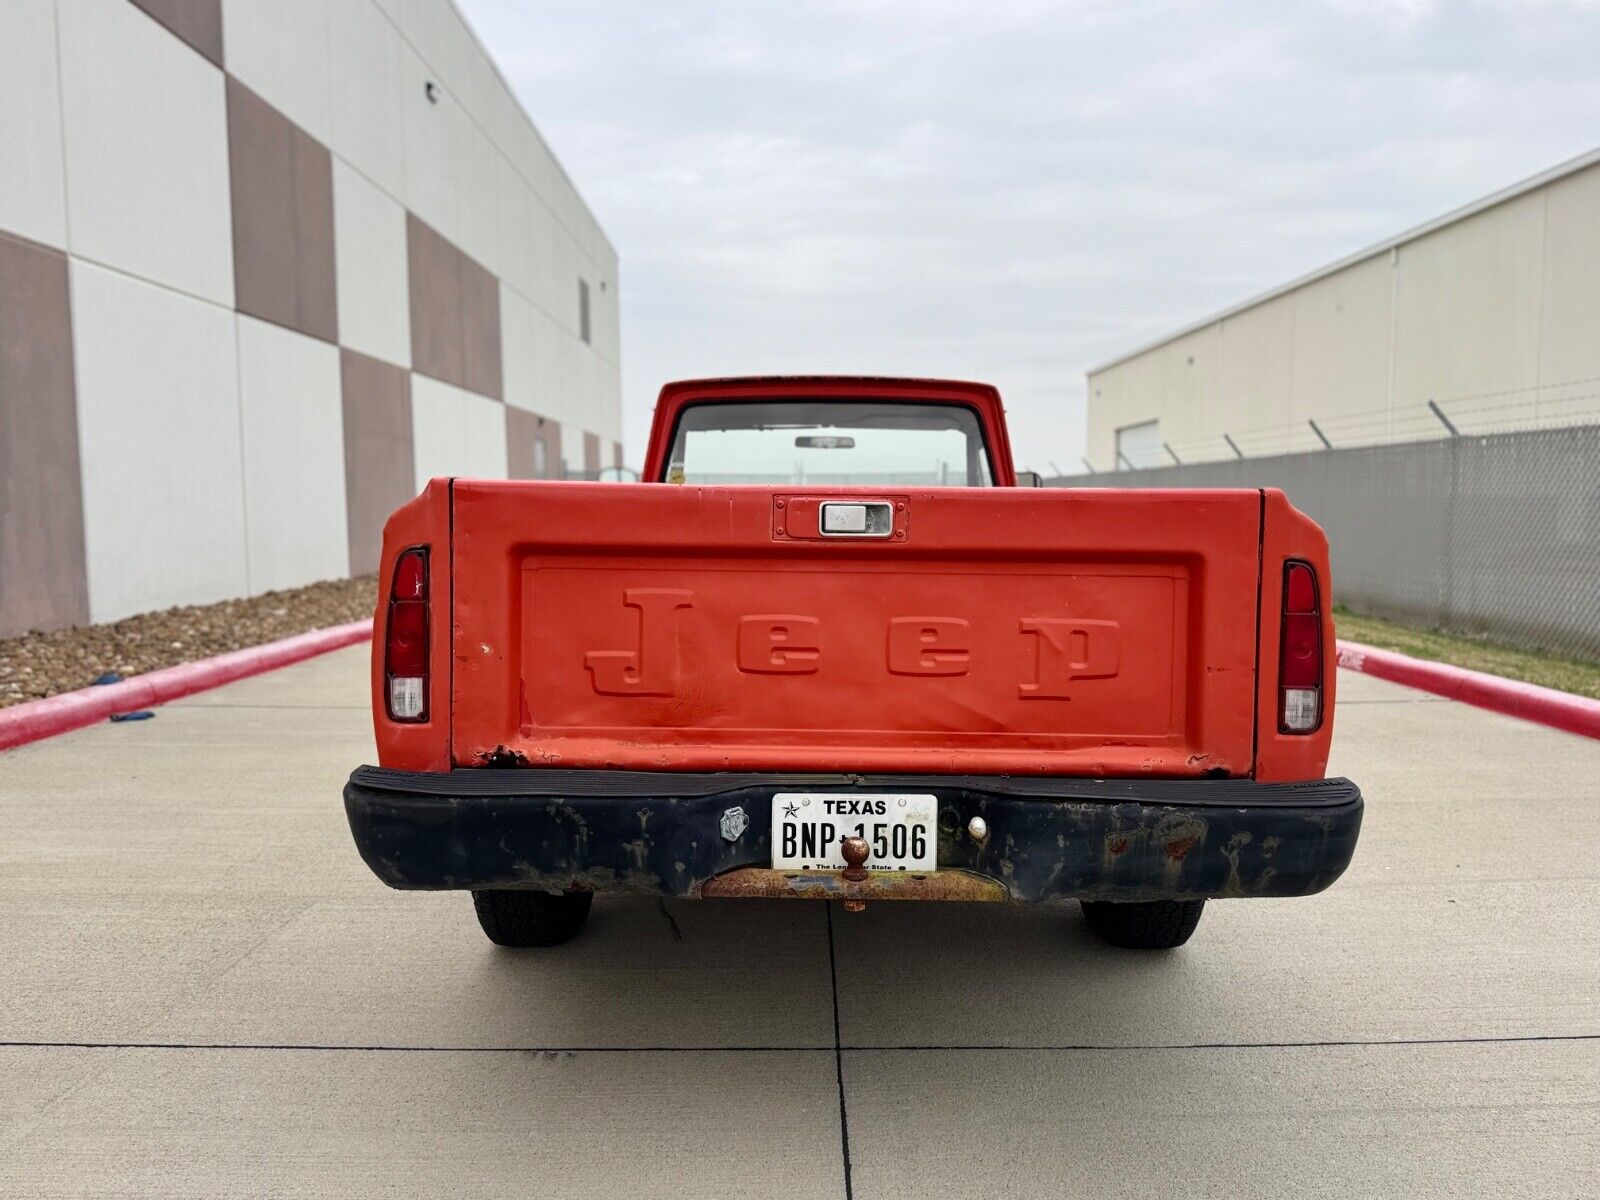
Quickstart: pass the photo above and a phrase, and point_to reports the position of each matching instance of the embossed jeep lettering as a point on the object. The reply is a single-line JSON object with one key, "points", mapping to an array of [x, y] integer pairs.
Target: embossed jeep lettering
{"points": [[1067, 649]]}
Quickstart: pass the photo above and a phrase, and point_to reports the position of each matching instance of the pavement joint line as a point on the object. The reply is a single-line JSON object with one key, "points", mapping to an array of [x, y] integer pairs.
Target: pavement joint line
{"points": [[838, 1059], [838, 1050]]}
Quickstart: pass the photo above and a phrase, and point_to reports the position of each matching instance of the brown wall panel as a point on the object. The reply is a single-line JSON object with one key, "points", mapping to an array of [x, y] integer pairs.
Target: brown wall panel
{"points": [[434, 277], [591, 454], [378, 460], [282, 185], [455, 313], [43, 579], [480, 330], [198, 22], [533, 445]]}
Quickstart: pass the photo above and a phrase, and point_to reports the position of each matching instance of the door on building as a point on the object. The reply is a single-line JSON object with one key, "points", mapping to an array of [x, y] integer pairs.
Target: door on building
{"points": [[1139, 446]]}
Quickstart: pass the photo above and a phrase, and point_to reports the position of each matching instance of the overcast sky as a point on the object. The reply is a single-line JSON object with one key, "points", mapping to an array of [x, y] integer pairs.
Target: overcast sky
{"points": [[1013, 191]]}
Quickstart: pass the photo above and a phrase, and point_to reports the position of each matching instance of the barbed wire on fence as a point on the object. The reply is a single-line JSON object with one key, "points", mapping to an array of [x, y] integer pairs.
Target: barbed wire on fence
{"points": [[1465, 415]]}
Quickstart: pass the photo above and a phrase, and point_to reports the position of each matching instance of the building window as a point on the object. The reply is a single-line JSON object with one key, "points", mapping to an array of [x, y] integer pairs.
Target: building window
{"points": [[583, 309]]}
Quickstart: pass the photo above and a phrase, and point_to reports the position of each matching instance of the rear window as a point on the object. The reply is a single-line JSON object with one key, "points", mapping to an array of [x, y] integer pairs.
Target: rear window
{"points": [[831, 442]]}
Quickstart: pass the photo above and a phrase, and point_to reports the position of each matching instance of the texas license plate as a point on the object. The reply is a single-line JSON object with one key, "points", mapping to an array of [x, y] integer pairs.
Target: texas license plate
{"points": [[900, 829]]}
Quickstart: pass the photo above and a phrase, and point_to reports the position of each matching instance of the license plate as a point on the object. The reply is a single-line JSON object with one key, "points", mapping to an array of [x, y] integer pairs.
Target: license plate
{"points": [[900, 829]]}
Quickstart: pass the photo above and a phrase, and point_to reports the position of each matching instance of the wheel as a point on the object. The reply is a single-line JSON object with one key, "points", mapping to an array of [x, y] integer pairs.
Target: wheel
{"points": [[513, 918], [1154, 925]]}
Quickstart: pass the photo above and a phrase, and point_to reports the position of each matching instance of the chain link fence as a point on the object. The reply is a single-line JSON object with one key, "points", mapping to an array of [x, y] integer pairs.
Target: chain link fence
{"points": [[1496, 535]]}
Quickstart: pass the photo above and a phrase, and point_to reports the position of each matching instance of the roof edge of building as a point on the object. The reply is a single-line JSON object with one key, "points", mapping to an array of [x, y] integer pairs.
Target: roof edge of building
{"points": [[1560, 171]]}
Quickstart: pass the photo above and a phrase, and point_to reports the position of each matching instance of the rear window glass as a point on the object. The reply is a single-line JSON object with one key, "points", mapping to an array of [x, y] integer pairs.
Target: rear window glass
{"points": [[832, 442]]}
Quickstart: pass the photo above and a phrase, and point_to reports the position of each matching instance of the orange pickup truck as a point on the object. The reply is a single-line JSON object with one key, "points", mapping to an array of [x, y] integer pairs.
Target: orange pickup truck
{"points": [[829, 649]]}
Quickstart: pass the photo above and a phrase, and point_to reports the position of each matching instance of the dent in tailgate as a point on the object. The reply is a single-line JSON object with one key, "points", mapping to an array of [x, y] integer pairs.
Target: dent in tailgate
{"points": [[675, 628]]}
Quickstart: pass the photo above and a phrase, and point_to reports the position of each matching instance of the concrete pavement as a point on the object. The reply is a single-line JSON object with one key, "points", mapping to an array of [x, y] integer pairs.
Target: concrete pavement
{"points": [[204, 992]]}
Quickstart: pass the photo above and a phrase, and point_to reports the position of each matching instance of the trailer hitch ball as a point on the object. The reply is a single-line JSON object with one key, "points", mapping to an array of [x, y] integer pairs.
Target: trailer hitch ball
{"points": [[854, 850], [978, 829]]}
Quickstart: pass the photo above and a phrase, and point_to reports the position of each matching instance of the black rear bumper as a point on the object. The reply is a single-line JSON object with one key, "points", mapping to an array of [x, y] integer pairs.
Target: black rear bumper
{"points": [[659, 833]]}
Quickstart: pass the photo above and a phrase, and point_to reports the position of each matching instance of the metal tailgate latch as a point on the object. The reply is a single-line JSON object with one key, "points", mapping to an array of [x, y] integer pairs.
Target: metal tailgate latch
{"points": [[856, 518]]}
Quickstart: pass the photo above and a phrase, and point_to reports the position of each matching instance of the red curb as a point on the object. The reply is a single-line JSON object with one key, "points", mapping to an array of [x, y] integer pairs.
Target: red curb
{"points": [[39, 719], [1546, 706], [45, 718]]}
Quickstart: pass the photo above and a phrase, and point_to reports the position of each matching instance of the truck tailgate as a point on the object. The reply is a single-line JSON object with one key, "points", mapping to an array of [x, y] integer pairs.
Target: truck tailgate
{"points": [[998, 631]]}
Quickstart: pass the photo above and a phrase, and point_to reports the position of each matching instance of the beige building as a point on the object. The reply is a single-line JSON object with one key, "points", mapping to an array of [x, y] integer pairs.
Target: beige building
{"points": [[1491, 312]]}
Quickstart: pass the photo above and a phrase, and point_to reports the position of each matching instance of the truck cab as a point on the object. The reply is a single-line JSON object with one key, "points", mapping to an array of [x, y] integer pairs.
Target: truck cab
{"points": [[827, 649]]}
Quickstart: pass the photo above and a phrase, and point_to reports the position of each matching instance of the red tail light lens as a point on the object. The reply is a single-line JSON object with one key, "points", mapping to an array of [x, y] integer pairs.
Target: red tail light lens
{"points": [[405, 647], [1300, 651]]}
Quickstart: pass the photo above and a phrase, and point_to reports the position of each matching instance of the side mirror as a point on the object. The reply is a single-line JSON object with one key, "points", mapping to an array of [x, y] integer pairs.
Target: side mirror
{"points": [[1029, 479]]}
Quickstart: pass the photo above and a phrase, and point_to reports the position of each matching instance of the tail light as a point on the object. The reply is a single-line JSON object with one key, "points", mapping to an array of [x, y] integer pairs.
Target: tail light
{"points": [[1300, 651], [405, 647]]}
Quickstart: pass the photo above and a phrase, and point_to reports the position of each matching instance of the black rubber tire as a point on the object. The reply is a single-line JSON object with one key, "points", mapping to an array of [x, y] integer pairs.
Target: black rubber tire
{"points": [[513, 918], [1154, 925]]}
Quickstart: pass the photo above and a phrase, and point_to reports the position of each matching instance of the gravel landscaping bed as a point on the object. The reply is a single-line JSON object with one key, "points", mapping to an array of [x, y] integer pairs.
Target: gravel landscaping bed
{"points": [[43, 664]]}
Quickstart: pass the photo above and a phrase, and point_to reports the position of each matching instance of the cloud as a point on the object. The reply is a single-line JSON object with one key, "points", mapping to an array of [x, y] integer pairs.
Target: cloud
{"points": [[1013, 191]]}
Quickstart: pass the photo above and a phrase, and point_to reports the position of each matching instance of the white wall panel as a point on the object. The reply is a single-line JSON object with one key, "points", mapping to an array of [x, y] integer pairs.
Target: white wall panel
{"points": [[569, 380], [438, 435], [279, 50], [366, 127], [572, 448], [516, 210], [472, 76], [506, 123], [549, 343], [293, 430], [432, 130], [517, 351], [146, 150], [610, 401], [373, 282], [1570, 347], [595, 400], [1256, 375], [455, 432], [424, 23], [1341, 342], [557, 269], [485, 424], [477, 203], [158, 427], [1467, 305], [33, 201], [603, 311], [582, 403]]}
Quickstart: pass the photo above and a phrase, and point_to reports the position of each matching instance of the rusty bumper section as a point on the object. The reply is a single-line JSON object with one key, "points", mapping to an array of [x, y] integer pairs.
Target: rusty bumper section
{"points": [[766, 883], [664, 833]]}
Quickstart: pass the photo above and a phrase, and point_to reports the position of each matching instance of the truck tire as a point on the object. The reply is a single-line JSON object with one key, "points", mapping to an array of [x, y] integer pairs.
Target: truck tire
{"points": [[1154, 925], [513, 918]]}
